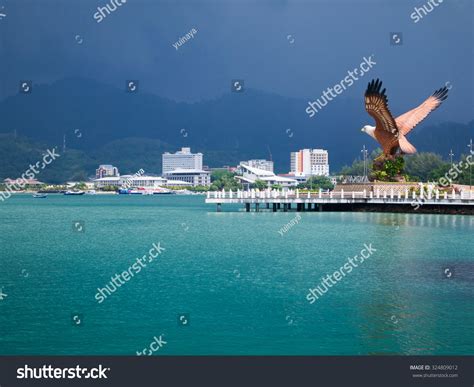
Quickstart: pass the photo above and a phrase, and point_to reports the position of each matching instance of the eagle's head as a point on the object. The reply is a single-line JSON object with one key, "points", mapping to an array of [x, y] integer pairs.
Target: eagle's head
{"points": [[369, 130]]}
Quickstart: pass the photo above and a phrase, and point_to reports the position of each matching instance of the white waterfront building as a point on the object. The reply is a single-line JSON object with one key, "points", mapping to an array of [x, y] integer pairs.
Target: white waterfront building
{"points": [[249, 175], [266, 165], [310, 162], [130, 181], [192, 176], [182, 159], [134, 181]]}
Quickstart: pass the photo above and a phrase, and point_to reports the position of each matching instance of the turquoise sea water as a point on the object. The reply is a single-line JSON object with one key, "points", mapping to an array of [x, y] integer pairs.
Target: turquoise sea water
{"points": [[240, 283]]}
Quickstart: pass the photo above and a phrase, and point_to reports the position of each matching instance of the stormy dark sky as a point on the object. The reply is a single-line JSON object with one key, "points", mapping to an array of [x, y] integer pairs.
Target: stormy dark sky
{"points": [[239, 39]]}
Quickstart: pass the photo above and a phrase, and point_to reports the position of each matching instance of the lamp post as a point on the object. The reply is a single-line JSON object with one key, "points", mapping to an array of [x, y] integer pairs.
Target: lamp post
{"points": [[451, 154], [364, 155], [470, 168]]}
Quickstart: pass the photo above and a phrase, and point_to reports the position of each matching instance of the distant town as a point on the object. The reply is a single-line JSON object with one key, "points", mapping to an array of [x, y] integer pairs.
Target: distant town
{"points": [[184, 170]]}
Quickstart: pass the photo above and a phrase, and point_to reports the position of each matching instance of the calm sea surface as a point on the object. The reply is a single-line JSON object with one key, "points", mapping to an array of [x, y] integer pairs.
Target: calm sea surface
{"points": [[238, 283]]}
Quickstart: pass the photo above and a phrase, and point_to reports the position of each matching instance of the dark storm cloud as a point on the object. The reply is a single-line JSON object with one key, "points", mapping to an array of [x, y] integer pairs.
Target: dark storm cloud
{"points": [[242, 40]]}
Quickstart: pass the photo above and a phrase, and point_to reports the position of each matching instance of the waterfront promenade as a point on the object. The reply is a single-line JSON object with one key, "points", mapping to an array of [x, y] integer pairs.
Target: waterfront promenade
{"points": [[426, 201]]}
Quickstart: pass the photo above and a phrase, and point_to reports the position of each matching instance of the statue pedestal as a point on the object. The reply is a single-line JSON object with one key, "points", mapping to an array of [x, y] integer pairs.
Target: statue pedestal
{"points": [[388, 170]]}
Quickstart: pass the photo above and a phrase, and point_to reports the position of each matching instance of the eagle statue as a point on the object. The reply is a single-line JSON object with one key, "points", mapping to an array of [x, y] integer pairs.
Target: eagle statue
{"points": [[391, 132]]}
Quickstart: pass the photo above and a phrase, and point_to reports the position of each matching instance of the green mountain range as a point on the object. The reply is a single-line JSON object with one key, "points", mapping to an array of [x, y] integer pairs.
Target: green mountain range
{"points": [[105, 125]]}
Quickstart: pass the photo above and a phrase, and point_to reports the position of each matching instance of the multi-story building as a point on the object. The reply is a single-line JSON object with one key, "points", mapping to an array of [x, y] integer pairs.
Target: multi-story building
{"points": [[134, 181], [194, 176], [249, 175], [130, 181], [106, 170], [266, 165], [226, 168], [310, 162], [182, 159]]}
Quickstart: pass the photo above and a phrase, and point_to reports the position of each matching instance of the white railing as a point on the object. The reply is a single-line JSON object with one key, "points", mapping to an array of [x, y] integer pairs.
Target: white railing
{"points": [[433, 195]]}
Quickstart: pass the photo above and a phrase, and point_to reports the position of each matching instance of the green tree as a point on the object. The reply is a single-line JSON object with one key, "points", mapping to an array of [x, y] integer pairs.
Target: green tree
{"points": [[467, 170], [198, 188], [388, 170], [109, 188], [357, 167], [259, 184], [222, 179], [80, 186], [425, 166], [220, 174], [317, 182], [439, 172]]}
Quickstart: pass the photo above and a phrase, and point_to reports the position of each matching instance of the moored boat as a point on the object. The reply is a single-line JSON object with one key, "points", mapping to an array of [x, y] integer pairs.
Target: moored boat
{"points": [[135, 192], [77, 193]]}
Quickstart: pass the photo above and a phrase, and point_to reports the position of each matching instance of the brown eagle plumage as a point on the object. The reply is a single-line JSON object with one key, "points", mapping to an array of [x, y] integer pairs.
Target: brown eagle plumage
{"points": [[389, 132]]}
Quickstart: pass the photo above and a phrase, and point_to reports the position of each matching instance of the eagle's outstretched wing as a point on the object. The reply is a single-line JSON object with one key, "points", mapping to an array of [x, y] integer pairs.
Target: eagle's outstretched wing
{"points": [[376, 104], [406, 122]]}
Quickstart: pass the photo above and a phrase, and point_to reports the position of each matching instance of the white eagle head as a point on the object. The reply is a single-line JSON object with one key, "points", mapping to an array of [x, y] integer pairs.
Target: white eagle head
{"points": [[369, 130]]}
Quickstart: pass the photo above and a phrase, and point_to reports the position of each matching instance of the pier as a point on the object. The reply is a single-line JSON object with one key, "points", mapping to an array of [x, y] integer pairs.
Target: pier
{"points": [[391, 200]]}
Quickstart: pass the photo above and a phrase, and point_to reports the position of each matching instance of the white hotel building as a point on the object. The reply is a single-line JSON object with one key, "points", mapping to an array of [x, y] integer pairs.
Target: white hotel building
{"points": [[186, 167], [310, 162], [182, 159], [194, 177]]}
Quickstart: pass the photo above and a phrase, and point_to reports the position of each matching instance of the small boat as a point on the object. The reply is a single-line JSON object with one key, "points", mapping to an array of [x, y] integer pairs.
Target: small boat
{"points": [[74, 193], [40, 196], [162, 191], [91, 192]]}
